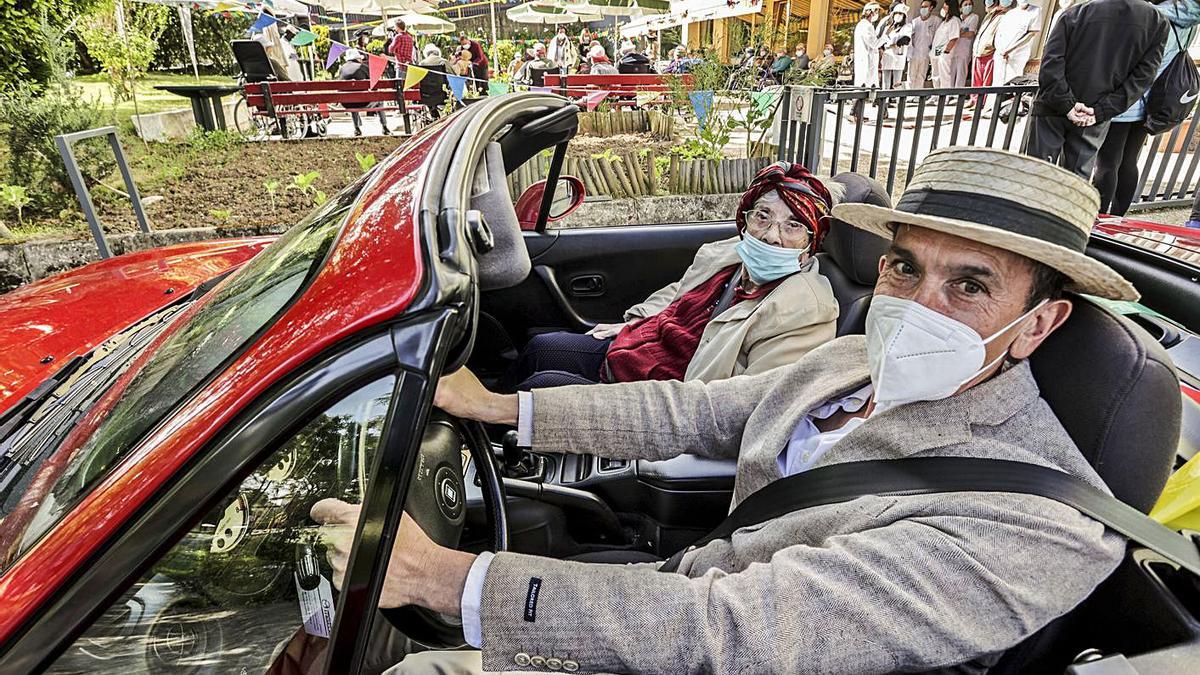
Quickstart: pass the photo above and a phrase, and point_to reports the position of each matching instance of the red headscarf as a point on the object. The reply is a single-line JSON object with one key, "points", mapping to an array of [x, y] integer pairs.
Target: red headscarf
{"points": [[807, 197]]}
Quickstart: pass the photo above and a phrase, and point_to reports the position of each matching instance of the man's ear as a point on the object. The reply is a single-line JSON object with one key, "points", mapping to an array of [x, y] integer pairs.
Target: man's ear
{"points": [[1039, 326]]}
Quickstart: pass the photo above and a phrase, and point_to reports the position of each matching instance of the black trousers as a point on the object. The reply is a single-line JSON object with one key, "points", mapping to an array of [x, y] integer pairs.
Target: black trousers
{"points": [[479, 72], [1055, 139], [557, 359], [1117, 172]]}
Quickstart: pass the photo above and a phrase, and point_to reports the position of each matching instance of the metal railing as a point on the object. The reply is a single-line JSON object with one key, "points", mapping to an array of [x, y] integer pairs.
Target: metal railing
{"points": [[65, 143], [884, 134]]}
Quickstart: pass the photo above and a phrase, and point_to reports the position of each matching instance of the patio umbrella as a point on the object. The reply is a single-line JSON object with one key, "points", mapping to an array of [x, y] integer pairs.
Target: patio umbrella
{"points": [[424, 24], [541, 13], [617, 7]]}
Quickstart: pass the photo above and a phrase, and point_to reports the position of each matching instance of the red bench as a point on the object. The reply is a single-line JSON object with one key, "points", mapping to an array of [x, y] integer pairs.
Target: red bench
{"points": [[279, 99], [621, 87]]}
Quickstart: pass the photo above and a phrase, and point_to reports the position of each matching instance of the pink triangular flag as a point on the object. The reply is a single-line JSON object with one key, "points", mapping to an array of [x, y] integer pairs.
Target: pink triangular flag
{"points": [[375, 67], [335, 52], [594, 99]]}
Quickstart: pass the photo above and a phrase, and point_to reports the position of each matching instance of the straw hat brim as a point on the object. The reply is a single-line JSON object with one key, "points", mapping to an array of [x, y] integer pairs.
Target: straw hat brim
{"points": [[1086, 275]]}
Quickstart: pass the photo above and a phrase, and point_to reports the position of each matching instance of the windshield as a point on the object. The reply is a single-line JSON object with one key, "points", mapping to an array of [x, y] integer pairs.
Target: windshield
{"points": [[244, 306]]}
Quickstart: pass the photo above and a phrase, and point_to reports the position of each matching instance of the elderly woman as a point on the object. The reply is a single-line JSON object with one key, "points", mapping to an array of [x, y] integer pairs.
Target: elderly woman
{"points": [[747, 304]]}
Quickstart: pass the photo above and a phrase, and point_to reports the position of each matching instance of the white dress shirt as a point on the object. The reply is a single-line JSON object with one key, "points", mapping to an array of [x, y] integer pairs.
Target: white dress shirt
{"points": [[804, 449]]}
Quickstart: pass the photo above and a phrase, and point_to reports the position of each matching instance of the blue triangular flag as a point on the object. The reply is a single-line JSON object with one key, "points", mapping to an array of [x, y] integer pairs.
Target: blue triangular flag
{"points": [[702, 103], [458, 85], [540, 90], [264, 20]]}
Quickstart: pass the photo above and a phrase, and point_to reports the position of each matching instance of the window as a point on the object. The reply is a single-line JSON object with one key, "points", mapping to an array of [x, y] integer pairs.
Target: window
{"points": [[245, 305], [228, 597]]}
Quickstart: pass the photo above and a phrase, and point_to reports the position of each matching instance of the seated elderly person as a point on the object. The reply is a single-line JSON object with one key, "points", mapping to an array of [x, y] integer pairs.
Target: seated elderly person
{"points": [[598, 61], [533, 71], [633, 62], [747, 304], [971, 287]]}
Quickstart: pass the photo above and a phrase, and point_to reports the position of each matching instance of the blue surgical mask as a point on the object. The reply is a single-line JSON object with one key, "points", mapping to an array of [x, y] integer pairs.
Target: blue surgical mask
{"points": [[766, 263], [989, 3], [924, 12], [1007, 3]]}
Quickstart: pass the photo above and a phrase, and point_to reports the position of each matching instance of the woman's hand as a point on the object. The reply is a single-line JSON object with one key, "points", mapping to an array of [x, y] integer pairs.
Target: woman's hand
{"points": [[604, 331], [462, 394]]}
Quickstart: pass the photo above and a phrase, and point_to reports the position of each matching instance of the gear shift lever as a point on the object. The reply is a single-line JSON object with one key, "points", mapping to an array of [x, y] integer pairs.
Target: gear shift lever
{"points": [[518, 461]]}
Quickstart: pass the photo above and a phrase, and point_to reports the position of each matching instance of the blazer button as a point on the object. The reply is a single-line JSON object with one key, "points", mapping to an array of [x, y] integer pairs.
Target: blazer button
{"points": [[553, 663], [537, 661], [521, 659], [570, 666]]}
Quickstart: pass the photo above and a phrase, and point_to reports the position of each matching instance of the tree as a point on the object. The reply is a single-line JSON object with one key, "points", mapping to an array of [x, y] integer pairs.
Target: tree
{"points": [[24, 56], [127, 54], [212, 31]]}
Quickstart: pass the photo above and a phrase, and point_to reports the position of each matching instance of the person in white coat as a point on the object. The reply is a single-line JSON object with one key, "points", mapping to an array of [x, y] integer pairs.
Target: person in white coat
{"points": [[924, 25], [866, 53], [562, 51], [897, 36], [960, 56], [1015, 35], [944, 42]]}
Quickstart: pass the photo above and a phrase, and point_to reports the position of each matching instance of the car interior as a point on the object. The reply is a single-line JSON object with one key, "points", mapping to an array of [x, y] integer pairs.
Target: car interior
{"points": [[1113, 380]]}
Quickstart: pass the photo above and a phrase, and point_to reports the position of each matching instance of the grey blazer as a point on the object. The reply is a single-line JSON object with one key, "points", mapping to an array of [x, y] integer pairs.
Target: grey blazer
{"points": [[878, 584]]}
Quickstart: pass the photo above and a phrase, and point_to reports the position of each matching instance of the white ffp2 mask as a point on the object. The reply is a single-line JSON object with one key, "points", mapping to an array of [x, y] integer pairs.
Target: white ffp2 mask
{"points": [[917, 354]]}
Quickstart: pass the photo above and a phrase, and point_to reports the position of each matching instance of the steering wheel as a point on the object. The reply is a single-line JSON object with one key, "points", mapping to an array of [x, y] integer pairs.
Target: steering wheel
{"points": [[437, 501]]}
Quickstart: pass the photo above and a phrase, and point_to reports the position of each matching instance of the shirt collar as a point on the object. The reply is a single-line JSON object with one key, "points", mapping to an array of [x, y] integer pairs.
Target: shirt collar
{"points": [[851, 403]]}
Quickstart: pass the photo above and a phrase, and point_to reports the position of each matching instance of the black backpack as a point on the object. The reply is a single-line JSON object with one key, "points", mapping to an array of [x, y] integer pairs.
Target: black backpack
{"points": [[1173, 95]]}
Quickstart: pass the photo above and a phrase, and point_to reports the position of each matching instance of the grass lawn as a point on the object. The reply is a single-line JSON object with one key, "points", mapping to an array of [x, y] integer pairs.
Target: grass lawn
{"points": [[149, 99]]}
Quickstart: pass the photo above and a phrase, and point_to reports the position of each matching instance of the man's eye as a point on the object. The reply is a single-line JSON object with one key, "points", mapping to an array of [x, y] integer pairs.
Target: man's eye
{"points": [[904, 267], [972, 288]]}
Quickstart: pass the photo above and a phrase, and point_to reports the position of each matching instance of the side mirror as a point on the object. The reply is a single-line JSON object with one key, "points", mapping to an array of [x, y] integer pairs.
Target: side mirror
{"points": [[568, 195]]}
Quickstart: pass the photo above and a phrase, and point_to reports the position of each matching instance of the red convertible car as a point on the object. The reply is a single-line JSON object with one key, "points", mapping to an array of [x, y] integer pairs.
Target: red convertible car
{"points": [[168, 418]]}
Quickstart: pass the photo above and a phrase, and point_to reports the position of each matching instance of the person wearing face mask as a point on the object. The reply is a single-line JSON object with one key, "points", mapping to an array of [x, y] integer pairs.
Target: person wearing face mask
{"points": [[945, 39], [1082, 88], [984, 47], [866, 53], [971, 286], [801, 60], [924, 26], [897, 38], [747, 304], [1015, 33], [562, 51], [826, 60], [960, 55]]}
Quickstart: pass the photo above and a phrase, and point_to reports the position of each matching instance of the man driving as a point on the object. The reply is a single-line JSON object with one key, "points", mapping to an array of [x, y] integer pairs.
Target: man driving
{"points": [[983, 244]]}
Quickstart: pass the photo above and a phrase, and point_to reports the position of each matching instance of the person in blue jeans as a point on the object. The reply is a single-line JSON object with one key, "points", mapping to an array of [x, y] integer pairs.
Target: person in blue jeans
{"points": [[1116, 175]]}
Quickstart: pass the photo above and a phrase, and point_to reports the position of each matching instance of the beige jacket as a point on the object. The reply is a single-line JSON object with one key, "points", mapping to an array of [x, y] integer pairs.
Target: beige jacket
{"points": [[751, 336], [880, 584]]}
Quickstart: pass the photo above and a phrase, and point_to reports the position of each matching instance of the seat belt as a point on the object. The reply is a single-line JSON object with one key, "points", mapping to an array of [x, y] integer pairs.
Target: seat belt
{"points": [[932, 475]]}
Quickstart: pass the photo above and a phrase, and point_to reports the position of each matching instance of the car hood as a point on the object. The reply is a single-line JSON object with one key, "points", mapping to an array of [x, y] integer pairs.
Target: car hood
{"points": [[49, 322]]}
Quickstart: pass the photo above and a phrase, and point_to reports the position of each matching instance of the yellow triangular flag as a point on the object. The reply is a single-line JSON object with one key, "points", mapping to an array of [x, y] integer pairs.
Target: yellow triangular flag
{"points": [[413, 75]]}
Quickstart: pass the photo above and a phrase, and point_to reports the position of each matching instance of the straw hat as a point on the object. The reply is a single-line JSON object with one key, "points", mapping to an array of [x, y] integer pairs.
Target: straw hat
{"points": [[1010, 201], [871, 7]]}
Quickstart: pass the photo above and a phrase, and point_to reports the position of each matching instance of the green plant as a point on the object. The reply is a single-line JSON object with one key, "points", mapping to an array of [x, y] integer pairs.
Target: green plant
{"points": [[30, 118], [125, 57], [211, 33], [304, 182], [319, 198], [222, 215], [26, 56], [272, 187], [758, 113], [365, 162], [16, 197], [214, 141], [607, 155]]}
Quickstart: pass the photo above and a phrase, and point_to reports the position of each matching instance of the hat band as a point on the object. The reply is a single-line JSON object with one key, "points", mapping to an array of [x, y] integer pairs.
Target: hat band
{"points": [[1000, 213]]}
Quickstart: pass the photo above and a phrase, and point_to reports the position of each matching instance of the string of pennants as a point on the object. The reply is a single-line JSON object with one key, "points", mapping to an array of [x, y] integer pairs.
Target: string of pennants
{"points": [[702, 101]]}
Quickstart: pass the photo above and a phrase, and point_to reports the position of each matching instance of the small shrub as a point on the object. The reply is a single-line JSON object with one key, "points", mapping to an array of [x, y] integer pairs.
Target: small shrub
{"points": [[16, 197], [365, 162]]}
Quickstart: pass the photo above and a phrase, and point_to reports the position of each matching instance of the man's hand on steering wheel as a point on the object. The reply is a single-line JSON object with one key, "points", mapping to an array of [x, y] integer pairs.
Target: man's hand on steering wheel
{"points": [[420, 572], [462, 394]]}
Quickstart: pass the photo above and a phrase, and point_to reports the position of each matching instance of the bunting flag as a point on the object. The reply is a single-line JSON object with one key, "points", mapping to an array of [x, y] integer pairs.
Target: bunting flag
{"points": [[303, 38], [458, 86], [497, 88], [413, 75], [702, 103], [594, 99], [335, 52], [645, 98], [540, 90], [264, 21], [375, 67], [763, 100]]}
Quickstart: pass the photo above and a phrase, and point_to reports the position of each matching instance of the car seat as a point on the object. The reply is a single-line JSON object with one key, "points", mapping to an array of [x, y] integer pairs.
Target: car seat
{"points": [[1116, 392], [849, 256], [507, 263]]}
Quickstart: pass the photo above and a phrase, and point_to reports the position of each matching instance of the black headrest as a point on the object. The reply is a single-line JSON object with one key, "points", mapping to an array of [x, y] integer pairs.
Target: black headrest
{"points": [[856, 251], [1116, 392], [251, 56]]}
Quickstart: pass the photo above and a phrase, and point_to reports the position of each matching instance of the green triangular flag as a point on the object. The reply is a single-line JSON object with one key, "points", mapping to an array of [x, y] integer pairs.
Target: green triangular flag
{"points": [[763, 100], [304, 37], [497, 88]]}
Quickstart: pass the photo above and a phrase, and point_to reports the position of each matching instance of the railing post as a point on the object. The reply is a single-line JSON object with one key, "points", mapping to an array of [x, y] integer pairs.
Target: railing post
{"points": [[64, 143], [814, 144]]}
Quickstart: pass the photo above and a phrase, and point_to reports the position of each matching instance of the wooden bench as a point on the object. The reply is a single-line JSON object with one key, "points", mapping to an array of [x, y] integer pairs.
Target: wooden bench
{"points": [[279, 99], [623, 88]]}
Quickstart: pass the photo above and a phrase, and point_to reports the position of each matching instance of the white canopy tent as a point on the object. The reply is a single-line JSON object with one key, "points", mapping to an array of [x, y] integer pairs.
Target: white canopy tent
{"points": [[641, 25], [545, 13], [422, 24]]}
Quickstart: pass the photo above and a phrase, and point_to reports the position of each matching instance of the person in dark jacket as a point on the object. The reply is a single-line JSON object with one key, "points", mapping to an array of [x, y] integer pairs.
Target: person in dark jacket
{"points": [[1100, 57], [433, 85], [479, 63], [634, 62], [354, 68]]}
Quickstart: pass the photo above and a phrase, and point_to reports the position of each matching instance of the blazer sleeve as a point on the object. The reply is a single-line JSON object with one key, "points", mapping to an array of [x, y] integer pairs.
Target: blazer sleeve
{"points": [[1055, 92], [1140, 78], [648, 420], [917, 594]]}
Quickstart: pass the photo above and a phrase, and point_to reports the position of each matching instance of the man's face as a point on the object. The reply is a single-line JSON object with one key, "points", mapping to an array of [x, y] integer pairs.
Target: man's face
{"points": [[979, 285]]}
